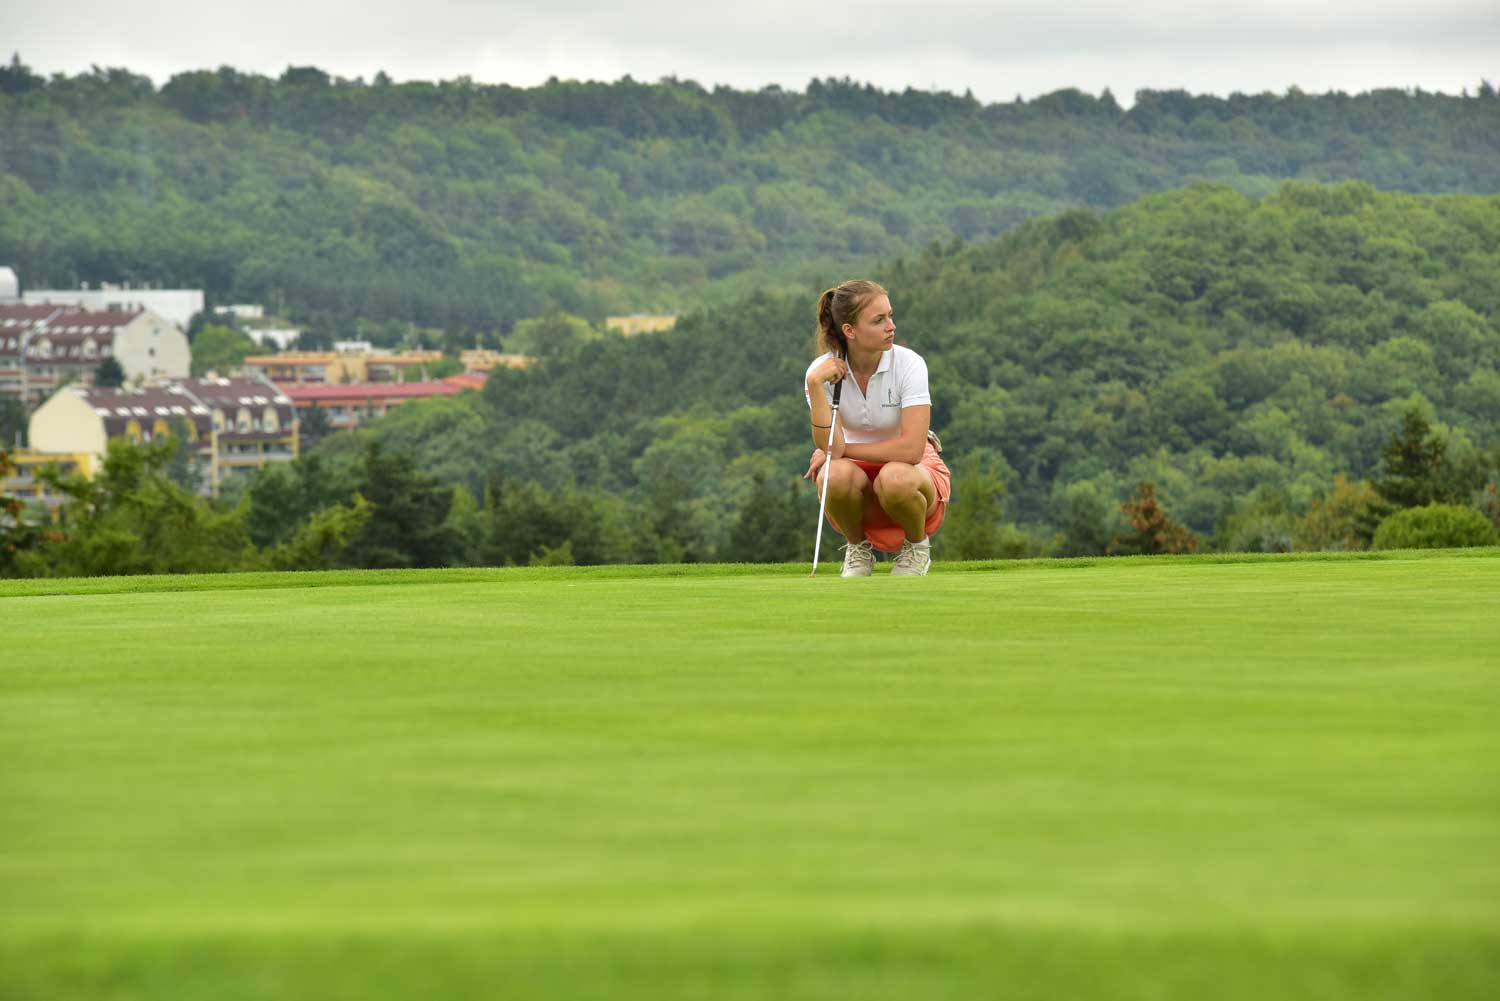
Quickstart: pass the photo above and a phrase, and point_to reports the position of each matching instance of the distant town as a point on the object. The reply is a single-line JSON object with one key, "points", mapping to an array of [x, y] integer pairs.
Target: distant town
{"points": [[90, 365]]}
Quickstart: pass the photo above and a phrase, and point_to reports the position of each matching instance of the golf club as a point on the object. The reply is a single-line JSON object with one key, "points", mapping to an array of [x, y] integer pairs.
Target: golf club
{"points": [[833, 430]]}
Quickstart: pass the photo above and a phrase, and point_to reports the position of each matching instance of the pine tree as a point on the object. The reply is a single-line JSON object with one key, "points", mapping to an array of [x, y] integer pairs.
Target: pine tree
{"points": [[1412, 462]]}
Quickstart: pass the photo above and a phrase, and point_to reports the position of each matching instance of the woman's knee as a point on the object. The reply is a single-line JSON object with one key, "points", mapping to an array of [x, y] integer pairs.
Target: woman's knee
{"points": [[898, 480], [847, 479]]}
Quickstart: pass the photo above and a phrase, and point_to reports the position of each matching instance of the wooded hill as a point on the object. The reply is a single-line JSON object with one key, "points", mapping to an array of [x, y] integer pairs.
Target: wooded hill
{"points": [[362, 207], [1238, 353], [1256, 360]]}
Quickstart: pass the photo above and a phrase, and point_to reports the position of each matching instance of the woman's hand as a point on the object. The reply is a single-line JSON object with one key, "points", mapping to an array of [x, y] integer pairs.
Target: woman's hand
{"points": [[827, 370], [815, 463]]}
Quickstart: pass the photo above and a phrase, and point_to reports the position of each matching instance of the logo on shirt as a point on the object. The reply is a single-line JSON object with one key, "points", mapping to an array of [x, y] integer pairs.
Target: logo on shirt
{"points": [[890, 398]]}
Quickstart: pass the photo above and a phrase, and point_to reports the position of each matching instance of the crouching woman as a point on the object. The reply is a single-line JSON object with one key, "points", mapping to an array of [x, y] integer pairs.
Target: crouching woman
{"points": [[887, 486]]}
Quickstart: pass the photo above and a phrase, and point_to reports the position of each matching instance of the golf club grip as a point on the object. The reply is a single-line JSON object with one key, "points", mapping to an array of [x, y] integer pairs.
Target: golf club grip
{"points": [[838, 388]]}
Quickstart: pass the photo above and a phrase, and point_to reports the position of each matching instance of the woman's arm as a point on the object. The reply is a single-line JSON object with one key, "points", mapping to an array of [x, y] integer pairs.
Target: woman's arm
{"points": [[821, 416], [907, 446]]}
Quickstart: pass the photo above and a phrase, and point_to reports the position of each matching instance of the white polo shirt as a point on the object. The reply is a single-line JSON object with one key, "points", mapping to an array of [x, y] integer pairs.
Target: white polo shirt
{"points": [[900, 381]]}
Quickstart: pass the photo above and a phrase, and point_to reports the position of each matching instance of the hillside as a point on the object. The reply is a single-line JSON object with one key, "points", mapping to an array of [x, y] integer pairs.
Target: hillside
{"points": [[364, 206], [1238, 353]]}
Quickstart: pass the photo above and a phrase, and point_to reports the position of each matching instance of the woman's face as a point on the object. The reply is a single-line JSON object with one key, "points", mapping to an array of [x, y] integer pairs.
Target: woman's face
{"points": [[875, 327]]}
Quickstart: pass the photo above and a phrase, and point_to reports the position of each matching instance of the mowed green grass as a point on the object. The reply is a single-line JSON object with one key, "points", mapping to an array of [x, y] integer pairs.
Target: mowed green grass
{"points": [[1145, 779]]}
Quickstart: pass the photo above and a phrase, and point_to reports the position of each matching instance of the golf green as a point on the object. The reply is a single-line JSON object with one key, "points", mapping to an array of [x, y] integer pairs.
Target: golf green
{"points": [[1145, 778]]}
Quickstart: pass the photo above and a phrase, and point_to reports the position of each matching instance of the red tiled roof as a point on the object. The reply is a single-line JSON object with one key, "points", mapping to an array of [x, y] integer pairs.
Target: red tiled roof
{"points": [[21, 313], [361, 392], [73, 320], [467, 380], [18, 320]]}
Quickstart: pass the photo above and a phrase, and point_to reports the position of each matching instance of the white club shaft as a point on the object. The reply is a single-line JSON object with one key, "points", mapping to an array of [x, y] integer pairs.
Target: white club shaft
{"points": [[833, 428]]}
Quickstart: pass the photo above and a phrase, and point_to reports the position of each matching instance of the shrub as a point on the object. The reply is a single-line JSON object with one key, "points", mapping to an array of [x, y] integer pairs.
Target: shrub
{"points": [[1436, 526]]}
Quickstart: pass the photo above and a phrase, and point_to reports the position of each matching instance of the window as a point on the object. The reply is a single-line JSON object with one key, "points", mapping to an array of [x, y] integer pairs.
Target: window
{"points": [[269, 421]]}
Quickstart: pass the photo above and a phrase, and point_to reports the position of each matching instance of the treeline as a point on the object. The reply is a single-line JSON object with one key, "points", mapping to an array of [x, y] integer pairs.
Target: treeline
{"points": [[1199, 369], [467, 207], [1238, 354], [139, 515]]}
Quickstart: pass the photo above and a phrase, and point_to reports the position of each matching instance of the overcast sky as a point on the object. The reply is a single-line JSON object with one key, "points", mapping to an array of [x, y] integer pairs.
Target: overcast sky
{"points": [[997, 50]]}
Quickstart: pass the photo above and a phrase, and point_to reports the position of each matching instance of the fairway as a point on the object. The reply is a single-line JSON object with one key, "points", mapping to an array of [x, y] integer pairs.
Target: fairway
{"points": [[1142, 778]]}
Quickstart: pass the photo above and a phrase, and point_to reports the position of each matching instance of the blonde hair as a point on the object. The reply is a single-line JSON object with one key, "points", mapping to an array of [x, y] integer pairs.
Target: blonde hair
{"points": [[838, 306]]}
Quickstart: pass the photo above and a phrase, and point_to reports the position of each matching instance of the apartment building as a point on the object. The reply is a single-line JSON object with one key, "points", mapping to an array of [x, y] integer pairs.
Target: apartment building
{"points": [[235, 425], [43, 347], [349, 406]]}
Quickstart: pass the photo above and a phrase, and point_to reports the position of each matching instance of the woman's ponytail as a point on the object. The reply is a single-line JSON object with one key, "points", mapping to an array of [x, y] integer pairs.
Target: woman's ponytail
{"points": [[830, 337]]}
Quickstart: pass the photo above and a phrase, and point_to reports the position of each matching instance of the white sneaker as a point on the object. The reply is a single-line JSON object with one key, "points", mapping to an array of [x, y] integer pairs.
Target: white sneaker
{"points": [[859, 559], [913, 560]]}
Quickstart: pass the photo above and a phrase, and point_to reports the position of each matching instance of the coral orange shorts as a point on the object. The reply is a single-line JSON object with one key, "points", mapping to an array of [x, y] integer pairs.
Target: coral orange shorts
{"points": [[882, 531]]}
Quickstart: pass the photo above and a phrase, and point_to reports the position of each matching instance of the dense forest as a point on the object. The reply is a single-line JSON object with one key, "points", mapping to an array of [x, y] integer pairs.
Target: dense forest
{"points": [[1316, 369], [367, 207]]}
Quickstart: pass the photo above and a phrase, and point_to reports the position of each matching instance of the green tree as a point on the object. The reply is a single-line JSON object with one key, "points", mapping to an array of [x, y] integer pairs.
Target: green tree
{"points": [[408, 525], [19, 532], [132, 519], [1087, 529], [466, 522], [527, 524], [17, 78], [184, 466], [221, 349], [1412, 464], [1333, 521], [550, 336], [314, 425], [973, 529], [1261, 523], [109, 374], [322, 541], [13, 421], [774, 525], [282, 497], [1435, 526]]}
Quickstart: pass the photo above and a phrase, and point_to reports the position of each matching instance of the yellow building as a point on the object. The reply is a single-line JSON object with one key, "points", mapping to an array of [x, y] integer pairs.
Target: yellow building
{"points": [[393, 367], [316, 367], [30, 488], [640, 323], [335, 368], [235, 425], [485, 360]]}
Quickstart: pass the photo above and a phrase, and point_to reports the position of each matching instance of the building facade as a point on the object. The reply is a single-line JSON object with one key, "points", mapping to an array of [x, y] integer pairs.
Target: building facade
{"points": [[234, 426], [43, 347], [641, 323], [350, 406], [355, 365], [17, 323], [486, 360]]}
